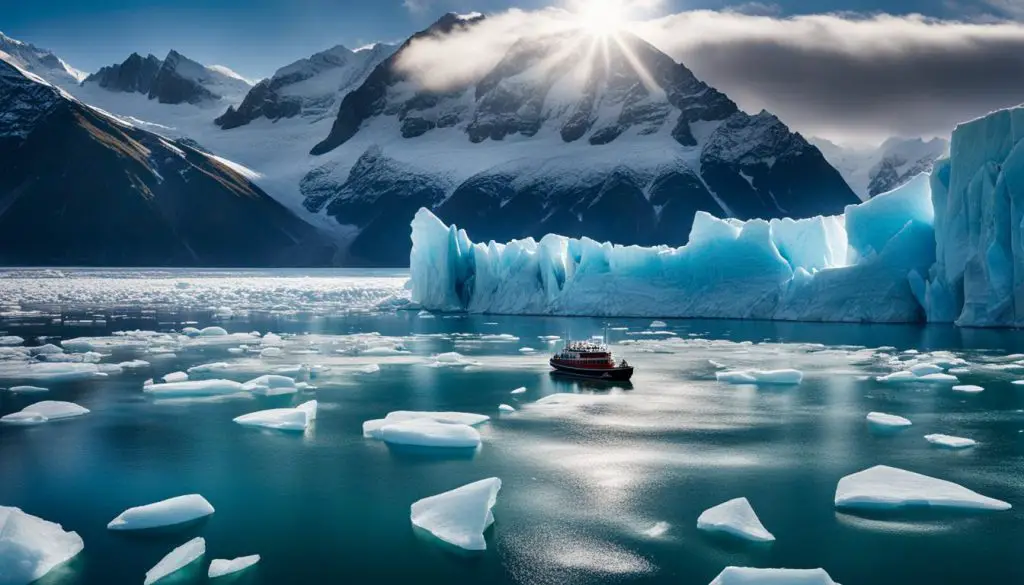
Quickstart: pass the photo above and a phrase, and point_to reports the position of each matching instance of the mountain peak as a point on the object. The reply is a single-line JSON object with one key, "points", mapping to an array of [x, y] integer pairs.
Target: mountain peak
{"points": [[39, 61], [452, 20]]}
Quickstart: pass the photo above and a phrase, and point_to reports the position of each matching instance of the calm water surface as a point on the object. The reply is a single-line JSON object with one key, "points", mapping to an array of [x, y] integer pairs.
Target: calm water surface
{"points": [[604, 491]]}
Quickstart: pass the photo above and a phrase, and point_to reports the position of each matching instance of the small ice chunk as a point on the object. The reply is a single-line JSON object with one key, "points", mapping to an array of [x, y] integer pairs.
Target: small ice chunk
{"points": [[369, 369], [7, 340], [1018, 382], [549, 338], [506, 408], [175, 377], [969, 388], [221, 567], [925, 369], [56, 409], [941, 378], [428, 433], [309, 407], [134, 365], [209, 368], [271, 340], [949, 441], [190, 331], [527, 350], [959, 371], [169, 512], [27, 389], [271, 385], [31, 547], [280, 419], [451, 359], [425, 315], [889, 487], [519, 390], [888, 420], [735, 517], [177, 559], [212, 332], [236, 350], [751, 576], [23, 418], [900, 376], [657, 325], [787, 376], [460, 516], [48, 349], [271, 352], [194, 388]]}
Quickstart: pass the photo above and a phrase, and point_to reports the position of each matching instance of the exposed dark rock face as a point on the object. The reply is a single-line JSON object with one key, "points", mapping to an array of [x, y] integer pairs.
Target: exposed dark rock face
{"points": [[136, 74]]}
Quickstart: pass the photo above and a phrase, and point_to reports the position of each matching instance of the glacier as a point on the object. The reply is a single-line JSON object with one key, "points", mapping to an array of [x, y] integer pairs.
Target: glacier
{"points": [[853, 268]]}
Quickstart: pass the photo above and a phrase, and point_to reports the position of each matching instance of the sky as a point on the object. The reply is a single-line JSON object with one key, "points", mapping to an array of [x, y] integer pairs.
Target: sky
{"points": [[850, 70]]}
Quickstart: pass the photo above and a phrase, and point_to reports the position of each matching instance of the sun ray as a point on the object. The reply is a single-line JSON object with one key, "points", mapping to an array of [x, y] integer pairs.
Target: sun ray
{"points": [[652, 86]]}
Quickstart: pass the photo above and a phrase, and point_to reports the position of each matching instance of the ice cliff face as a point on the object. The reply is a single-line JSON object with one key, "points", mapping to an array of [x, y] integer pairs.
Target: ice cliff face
{"points": [[310, 87], [978, 195], [174, 80], [616, 142]]}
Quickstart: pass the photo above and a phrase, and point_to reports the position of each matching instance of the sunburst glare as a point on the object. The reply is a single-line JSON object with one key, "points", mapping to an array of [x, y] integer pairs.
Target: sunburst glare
{"points": [[601, 17]]}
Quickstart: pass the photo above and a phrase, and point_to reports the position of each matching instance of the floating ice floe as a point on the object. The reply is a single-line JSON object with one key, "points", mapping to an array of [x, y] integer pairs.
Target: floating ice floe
{"points": [[450, 359], [949, 441], [31, 547], [925, 369], [888, 420], [271, 352], [371, 428], [169, 512], [959, 371], [968, 388], [506, 408], [520, 390], [177, 559], [212, 332], [752, 576], [271, 385], [460, 516], [909, 376], [735, 517], [281, 419], [657, 325], [134, 365], [1018, 382], [44, 411], [51, 371], [787, 376], [369, 369], [425, 315], [7, 340], [889, 487], [211, 368], [175, 377], [47, 349], [269, 340], [428, 433], [527, 350], [222, 567], [194, 388], [549, 338], [27, 389]]}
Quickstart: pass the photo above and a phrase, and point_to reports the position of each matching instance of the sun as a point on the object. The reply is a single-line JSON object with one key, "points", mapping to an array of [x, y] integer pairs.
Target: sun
{"points": [[600, 17]]}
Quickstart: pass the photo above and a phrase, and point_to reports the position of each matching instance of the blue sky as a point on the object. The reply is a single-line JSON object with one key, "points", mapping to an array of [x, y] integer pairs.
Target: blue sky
{"points": [[254, 37]]}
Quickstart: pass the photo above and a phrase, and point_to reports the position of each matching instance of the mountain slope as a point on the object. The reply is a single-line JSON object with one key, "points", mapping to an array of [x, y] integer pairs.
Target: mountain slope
{"points": [[39, 61], [127, 197], [310, 87], [569, 133], [871, 171], [174, 80]]}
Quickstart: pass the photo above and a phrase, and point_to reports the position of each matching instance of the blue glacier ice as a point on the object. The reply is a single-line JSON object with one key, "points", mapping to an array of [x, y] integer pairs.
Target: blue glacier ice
{"points": [[853, 267]]}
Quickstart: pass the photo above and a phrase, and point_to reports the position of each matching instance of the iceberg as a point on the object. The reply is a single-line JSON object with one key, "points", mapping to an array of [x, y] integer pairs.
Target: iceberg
{"points": [[169, 512], [428, 433], [853, 268], [31, 547], [194, 388], [271, 385], [760, 376], [889, 487], [950, 442], [882, 419], [222, 567], [735, 517], [177, 559], [281, 419], [44, 411], [750, 576], [460, 516]]}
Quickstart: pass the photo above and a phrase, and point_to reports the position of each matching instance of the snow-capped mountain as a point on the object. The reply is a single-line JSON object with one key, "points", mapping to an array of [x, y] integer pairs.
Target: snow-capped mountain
{"points": [[569, 133], [126, 196], [310, 87], [174, 80], [39, 61], [870, 171]]}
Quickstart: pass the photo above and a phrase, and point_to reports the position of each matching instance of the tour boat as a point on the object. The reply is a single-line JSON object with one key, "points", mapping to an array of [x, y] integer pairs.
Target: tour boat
{"points": [[588, 359]]}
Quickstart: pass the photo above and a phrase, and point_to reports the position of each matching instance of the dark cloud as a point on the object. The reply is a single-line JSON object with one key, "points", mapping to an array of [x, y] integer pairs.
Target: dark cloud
{"points": [[852, 78]]}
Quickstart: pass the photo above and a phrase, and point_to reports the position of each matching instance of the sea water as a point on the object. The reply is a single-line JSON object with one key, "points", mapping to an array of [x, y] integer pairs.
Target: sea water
{"points": [[604, 489]]}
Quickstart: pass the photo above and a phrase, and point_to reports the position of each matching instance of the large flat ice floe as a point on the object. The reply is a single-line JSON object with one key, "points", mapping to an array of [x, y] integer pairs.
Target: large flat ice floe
{"points": [[881, 419], [372, 428], [169, 512], [281, 419], [751, 576], [428, 433], [735, 517], [788, 376], [222, 567], [949, 441], [852, 268], [44, 411], [31, 547], [460, 516], [884, 487], [177, 559], [194, 388]]}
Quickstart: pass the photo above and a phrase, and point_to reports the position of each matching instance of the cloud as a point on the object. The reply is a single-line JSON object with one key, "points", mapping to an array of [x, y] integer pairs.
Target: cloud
{"points": [[852, 77], [842, 76], [417, 6]]}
